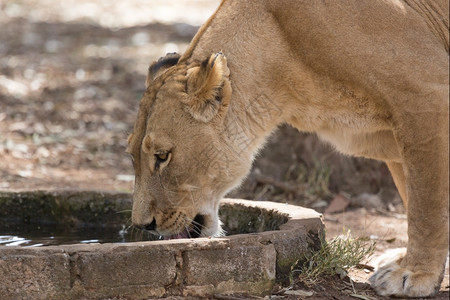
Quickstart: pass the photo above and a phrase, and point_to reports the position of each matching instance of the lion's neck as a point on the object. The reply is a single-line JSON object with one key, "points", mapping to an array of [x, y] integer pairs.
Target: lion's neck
{"points": [[253, 112]]}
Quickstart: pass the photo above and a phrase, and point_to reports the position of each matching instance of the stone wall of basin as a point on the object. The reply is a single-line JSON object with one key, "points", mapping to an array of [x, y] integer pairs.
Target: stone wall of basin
{"points": [[243, 263]]}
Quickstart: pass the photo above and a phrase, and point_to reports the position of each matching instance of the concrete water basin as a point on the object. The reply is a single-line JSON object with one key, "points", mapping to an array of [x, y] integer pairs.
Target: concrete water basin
{"points": [[266, 239]]}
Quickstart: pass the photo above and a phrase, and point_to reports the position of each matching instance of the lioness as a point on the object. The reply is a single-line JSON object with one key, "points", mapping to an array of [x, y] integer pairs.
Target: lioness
{"points": [[370, 77]]}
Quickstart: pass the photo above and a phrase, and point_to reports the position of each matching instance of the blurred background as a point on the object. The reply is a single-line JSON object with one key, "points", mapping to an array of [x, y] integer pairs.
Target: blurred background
{"points": [[71, 76]]}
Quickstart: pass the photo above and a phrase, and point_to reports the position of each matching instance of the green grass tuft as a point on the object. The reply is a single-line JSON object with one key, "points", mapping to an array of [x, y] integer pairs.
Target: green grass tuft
{"points": [[334, 257]]}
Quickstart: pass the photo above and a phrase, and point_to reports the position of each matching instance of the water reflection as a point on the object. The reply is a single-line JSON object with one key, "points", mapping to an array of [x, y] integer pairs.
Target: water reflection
{"points": [[12, 240], [38, 236]]}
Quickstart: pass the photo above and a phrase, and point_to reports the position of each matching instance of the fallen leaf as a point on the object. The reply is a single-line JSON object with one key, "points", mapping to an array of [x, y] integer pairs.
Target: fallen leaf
{"points": [[365, 267], [390, 240], [300, 293], [338, 204]]}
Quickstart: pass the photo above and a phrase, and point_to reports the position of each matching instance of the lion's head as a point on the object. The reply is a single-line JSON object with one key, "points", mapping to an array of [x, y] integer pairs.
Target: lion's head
{"points": [[184, 162]]}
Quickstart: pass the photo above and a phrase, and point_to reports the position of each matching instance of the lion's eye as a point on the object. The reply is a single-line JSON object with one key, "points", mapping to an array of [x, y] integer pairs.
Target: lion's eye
{"points": [[161, 157]]}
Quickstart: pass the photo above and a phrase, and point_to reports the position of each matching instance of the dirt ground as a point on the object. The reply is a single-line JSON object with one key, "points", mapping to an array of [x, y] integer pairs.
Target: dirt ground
{"points": [[71, 75]]}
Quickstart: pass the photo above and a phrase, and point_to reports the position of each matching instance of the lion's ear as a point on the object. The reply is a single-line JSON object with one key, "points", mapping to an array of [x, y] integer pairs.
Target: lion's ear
{"points": [[158, 67], [208, 88]]}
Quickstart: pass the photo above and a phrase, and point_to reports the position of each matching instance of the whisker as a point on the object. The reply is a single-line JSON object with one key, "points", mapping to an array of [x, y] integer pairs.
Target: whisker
{"points": [[188, 231], [196, 225]]}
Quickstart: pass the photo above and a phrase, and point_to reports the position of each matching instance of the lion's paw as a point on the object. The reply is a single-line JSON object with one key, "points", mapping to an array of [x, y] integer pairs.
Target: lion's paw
{"points": [[393, 280]]}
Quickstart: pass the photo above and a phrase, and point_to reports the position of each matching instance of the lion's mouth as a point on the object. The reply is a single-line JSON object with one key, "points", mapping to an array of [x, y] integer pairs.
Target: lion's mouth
{"points": [[194, 230]]}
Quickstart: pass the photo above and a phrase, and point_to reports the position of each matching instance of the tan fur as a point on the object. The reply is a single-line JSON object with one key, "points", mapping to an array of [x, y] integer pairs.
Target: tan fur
{"points": [[370, 77]]}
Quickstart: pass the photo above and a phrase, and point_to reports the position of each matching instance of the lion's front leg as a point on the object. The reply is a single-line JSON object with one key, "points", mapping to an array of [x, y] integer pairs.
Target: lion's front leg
{"points": [[418, 271]]}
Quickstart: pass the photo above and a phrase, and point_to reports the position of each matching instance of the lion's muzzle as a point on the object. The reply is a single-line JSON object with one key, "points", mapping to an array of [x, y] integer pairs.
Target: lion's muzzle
{"points": [[192, 230]]}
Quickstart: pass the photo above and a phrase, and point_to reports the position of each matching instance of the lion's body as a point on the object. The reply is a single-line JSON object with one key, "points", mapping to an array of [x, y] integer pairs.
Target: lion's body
{"points": [[370, 77]]}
